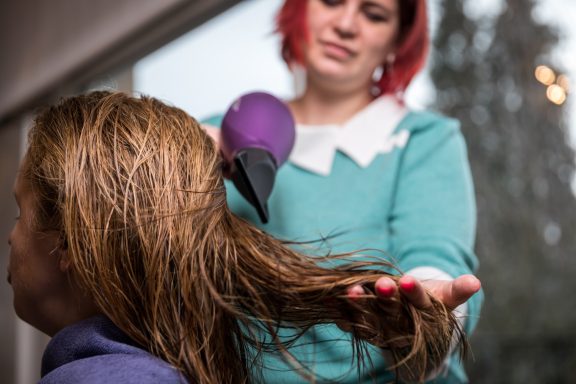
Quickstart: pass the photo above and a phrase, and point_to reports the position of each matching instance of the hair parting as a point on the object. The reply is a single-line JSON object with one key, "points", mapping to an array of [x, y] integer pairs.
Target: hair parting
{"points": [[136, 188]]}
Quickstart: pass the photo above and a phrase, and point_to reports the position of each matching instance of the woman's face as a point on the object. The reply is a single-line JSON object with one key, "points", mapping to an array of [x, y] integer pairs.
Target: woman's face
{"points": [[33, 269], [349, 39]]}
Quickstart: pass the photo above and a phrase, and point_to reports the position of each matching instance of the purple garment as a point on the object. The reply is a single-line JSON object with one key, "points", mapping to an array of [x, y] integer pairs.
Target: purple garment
{"points": [[96, 351]]}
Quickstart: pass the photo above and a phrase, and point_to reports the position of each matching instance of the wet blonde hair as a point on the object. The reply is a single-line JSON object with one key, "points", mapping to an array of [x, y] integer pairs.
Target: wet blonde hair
{"points": [[135, 187]]}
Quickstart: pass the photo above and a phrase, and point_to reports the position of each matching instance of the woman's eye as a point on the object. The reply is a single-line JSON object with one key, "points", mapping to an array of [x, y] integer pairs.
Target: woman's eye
{"points": [[376, 15], [376, 12], [331, 3]]}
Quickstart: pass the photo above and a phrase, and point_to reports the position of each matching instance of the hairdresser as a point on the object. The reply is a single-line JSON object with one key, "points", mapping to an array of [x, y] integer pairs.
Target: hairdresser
{"points": [[367, 172]]}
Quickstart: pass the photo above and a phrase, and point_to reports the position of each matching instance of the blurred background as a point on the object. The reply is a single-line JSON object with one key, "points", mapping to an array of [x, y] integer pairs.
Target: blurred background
{"points": [[502, 67]]}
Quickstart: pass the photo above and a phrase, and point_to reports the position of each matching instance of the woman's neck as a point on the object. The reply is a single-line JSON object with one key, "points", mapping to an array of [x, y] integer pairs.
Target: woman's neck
{"points": [[316, 107]]}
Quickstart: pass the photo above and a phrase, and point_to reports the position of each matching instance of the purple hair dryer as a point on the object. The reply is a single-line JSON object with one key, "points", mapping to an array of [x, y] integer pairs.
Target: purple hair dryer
{"points": [[256, 139]]}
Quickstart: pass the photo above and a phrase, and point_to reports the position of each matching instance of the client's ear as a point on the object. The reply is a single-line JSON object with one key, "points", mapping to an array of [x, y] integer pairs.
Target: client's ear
{"points": [[64, 261]]}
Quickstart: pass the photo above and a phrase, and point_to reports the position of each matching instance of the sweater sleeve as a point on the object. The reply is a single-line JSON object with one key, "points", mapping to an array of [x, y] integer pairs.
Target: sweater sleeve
{"points": [[433, 218]]}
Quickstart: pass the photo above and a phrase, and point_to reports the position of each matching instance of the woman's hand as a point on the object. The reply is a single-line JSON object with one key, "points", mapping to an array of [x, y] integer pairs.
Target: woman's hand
{"points": [[451, 293]]}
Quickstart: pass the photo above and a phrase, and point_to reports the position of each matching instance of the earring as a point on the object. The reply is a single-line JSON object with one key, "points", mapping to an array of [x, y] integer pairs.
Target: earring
{"points": [[376, 76], [385, 69]]}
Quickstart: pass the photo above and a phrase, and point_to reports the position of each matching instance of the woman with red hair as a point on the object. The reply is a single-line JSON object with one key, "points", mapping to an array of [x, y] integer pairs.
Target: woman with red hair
{"points": [[370, 170]]}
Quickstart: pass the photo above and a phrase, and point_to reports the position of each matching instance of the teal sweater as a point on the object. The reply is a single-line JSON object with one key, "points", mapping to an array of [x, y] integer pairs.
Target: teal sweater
{"points": [[415, 204]]}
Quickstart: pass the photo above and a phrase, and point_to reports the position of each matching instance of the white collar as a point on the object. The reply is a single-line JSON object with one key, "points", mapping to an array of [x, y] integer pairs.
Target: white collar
{"points": [[361, 138]]}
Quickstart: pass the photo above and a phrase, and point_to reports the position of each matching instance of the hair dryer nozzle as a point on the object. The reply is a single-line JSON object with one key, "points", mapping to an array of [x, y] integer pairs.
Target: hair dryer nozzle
{"points": [[257, 136], [253, 175]]}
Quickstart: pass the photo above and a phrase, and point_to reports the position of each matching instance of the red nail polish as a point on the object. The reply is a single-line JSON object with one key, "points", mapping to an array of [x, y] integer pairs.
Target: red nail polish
{"points": [[386, 291], [408, 286], [355, 292]]}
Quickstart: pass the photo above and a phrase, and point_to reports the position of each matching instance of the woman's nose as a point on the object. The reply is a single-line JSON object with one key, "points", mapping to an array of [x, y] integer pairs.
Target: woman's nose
{"points": [[11, 235], [346, 22]]}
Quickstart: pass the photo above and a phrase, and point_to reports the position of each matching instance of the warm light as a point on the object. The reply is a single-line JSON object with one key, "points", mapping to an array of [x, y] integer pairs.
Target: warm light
{"points": [[556, 94], [545, 74], [564, 82]]}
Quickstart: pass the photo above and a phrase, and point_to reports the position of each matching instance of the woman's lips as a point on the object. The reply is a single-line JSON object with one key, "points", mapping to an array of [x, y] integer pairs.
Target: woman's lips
{"points": [[337, 51]]}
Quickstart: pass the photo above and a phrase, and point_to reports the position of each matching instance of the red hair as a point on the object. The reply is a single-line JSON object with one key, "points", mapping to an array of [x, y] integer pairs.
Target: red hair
{"points": [[411, 52]]}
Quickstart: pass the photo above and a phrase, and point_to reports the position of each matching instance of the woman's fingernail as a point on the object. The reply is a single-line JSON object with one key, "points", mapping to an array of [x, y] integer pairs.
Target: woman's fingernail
{"points": [[355, 292], [408, 286], [386, 291]]}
